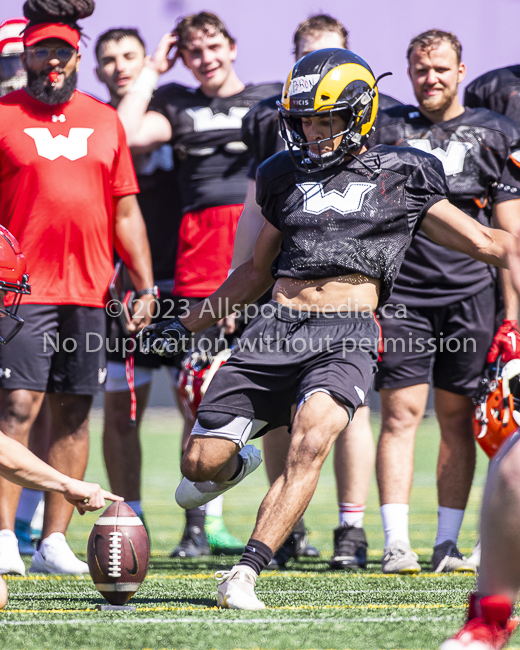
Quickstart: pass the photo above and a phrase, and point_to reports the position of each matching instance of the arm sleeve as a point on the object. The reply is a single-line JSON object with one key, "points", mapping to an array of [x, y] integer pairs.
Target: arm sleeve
{"points": [[124, 180], [266, 200], [508, 187], [425, 186]]}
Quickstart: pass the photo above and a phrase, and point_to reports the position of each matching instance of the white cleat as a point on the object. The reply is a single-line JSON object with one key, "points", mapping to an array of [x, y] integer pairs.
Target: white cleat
{"points": [[56, 556], [192, 495], [10, 559], [399, 558], [236, 589], [474, 558]]}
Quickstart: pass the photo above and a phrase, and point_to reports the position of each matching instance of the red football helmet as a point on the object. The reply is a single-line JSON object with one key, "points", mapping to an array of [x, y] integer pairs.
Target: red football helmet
{"points": [[13, 278], [12, 73], [198, 369], [497, 406]]}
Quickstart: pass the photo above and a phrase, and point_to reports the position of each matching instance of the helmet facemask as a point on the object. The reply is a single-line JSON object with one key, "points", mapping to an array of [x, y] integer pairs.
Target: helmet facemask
{"points": [[353, 114], [19, 289]]}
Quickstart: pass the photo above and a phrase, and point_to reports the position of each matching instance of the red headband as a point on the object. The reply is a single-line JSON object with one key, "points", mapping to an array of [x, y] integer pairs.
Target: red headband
{"points": [[42, 31]]}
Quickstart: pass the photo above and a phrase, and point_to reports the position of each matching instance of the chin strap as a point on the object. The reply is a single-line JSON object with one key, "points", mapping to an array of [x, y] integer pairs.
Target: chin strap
{"points": [[129, 368]]}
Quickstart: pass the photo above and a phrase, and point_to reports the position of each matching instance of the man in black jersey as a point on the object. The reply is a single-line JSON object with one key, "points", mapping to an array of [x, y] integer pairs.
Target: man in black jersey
{"points": [[354, 451], [120, 54], [440, 320], [203, 127], [497, 90], [338, 221]]}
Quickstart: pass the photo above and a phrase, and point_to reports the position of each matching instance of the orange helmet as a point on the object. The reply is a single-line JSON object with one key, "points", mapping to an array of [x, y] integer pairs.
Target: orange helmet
{"points": [[198, 369], [497, 407]]}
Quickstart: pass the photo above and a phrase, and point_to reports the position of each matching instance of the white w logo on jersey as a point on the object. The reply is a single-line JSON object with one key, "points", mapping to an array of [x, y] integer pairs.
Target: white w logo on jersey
{"points": [[452, 159], [205, 120], [317, 201], [72, 147]]}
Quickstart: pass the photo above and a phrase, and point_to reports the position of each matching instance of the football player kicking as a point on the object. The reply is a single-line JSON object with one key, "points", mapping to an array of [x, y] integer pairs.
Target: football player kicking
{"points": [[211, 163], [489, 623], [338, 221], [354, 451], [441, 317], [18, 464]]}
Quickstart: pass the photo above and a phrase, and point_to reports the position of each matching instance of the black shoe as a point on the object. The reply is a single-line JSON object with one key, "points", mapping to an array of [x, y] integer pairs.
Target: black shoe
{"points": [[350, 548], [295, 546], [194, 543]]}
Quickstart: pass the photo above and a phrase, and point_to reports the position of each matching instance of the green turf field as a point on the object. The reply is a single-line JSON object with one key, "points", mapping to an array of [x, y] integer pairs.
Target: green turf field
{"points": [[308, 606]]}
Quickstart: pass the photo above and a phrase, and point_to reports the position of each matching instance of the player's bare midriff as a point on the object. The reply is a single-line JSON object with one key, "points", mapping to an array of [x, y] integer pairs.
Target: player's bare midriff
{"points": [[354, 292]]}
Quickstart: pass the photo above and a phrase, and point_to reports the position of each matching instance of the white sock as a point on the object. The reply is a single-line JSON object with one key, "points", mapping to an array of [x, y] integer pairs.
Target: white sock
{"points": [[449, 521], [214, 508], [136, 507], [395, 522], [351, 514], [28, 503]]}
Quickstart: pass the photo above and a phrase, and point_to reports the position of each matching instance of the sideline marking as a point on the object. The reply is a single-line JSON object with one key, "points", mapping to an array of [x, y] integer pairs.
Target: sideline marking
{"points": [[292, 608], [267, 576]]}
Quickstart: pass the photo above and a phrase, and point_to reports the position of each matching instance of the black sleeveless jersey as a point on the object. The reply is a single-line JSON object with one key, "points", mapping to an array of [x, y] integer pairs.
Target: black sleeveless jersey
{"points": [[211, 161], [159, 202], [261, 130], [356, 217], [480, 153], [498, 90]]}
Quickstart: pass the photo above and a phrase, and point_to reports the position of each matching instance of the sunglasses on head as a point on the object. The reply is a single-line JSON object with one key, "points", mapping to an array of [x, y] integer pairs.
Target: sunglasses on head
{"points": [[63, 54]]}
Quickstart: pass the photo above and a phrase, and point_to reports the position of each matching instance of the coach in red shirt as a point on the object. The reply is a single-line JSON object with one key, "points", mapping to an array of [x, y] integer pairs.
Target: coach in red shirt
{"points": [[67, 192]]}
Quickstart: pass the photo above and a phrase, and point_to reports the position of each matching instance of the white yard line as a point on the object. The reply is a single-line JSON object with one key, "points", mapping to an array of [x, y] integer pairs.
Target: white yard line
{"points": [[194, 620]]}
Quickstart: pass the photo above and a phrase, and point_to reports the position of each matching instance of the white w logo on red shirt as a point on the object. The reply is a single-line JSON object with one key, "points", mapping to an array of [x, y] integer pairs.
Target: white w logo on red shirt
{"points": [[72, 147], [317, 201], [452, 159]]}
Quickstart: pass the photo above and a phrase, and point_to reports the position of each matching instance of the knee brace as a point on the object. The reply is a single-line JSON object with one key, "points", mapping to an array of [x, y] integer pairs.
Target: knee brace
{"points": [[238, 429], [209, 420]]}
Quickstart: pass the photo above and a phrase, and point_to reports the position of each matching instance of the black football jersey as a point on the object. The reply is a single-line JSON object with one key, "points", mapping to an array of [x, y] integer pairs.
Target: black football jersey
{"points": [[498, 90], [356, 217], [159, 202], [261, 129], [211, 160], [480, 153]]}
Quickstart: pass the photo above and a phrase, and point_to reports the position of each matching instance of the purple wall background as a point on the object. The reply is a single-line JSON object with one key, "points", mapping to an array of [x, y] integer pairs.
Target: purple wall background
{"points": [[379, 32]]}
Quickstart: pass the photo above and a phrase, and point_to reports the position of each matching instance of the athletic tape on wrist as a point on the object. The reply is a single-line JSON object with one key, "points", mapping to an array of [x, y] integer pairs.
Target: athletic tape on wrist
{"points": [[145, 83]]}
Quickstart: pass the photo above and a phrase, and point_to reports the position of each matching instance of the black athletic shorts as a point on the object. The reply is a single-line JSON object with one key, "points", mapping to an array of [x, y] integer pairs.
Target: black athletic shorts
{"points": [[447, 344], [60, 349], [283, 356]]}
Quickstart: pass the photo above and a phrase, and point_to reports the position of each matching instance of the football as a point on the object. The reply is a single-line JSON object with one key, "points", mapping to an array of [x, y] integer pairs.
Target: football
{"points": [[118, 553]]}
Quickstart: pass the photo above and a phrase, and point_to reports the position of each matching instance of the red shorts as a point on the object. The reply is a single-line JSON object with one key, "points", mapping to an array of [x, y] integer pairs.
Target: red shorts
{"points": [[205, 250]]}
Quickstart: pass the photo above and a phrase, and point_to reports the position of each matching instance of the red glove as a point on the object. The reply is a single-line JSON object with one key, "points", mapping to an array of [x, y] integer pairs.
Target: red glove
{"points": [[506, 342]]}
